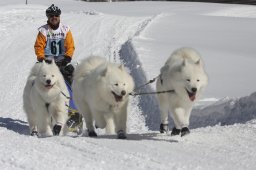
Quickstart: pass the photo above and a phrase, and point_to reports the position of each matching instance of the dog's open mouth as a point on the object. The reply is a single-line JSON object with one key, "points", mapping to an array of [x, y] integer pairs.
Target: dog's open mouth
{"points": [[191, 95], [117, 97], [49, 86]]}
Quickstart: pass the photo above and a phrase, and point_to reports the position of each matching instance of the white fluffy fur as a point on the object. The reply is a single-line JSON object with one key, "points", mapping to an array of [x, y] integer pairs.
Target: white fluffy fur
{"points": [[95, 81], [36, 95], [182, 72]]}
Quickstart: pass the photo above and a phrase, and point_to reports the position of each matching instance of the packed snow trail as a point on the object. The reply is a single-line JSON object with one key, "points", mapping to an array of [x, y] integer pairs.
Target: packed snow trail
{"points": [[205, 148]]}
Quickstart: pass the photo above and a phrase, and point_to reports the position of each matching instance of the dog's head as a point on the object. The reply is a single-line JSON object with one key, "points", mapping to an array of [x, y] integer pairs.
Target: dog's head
{"points": [[194, 78], [48, 74], [189, 79], [118, 83]]}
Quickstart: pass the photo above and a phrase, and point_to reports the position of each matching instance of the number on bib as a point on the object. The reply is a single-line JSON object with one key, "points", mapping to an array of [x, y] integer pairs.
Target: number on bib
{"points": [[55, 46]]}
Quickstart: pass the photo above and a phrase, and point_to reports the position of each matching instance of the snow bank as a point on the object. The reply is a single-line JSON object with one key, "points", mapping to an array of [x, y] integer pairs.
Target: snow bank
{"points": [[226, 111], [147, 103]]}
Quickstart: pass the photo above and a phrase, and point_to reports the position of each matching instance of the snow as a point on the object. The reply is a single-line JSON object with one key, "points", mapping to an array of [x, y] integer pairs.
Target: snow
{"points": [[141, 35]]}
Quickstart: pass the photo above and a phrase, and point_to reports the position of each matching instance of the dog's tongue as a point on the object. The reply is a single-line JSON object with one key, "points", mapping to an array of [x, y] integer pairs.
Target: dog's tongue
{"points": [[118, 98], [48, 86], [192, 96]]}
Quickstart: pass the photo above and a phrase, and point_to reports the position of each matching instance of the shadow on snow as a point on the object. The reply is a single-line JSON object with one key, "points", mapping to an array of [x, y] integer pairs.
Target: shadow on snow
{"points": [[14, 125], [154, 136]]}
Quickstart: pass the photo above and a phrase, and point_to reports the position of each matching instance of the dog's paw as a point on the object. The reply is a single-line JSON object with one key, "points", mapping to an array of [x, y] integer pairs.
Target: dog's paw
{"points": [[175, 131], [184, 131], [56, 129], [164, 128], [121, 134], [34, 133], [92, 133]]}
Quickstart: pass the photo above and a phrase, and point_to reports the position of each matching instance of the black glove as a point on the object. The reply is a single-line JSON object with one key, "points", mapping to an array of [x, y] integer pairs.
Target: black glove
{"points": [[67, 72], [47, 60], [39, 60], [65, 61], [69, 68], [65, 67]]}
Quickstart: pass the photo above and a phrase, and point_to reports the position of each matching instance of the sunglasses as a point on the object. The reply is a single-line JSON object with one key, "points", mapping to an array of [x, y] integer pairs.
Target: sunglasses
{"points": [[54, 16]]}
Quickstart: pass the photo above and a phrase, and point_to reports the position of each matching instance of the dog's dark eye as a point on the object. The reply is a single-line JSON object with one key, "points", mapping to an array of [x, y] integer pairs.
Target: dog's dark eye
{"points": [[116, 84], [198, 80], [44, 75], [188, 80]]}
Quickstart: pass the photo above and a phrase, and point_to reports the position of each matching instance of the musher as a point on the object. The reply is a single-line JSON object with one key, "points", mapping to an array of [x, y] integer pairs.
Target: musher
{"points": [[55, 41]]}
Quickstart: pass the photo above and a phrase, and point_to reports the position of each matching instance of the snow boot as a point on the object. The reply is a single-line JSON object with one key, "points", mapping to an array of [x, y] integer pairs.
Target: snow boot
{"points": [[175, 131], [121, 134], [56, 129], [184, 131], [34, 133], [164, 128], [92, 133]]}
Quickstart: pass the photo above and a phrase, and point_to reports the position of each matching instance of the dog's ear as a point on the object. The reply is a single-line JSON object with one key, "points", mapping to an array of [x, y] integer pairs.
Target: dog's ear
{"points": [[198, 62], [184, 63], [121, 67], [164, 69], [104, 71], [178, 68]]}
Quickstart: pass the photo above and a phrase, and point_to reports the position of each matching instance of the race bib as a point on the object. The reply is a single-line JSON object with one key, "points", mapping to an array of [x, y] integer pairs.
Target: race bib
{"points": [[54, 41], [54, 47]]}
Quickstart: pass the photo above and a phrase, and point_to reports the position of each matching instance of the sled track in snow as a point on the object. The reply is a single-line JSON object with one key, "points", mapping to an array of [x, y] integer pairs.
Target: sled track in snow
{"points": [[147, 103]]}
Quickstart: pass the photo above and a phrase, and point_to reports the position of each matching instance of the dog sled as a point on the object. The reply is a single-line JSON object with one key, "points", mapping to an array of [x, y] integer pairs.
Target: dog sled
{"points": [[75, 120]]}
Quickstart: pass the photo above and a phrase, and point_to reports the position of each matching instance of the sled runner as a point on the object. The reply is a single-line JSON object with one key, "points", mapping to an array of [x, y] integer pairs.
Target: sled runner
{"points": [[75, 122]]}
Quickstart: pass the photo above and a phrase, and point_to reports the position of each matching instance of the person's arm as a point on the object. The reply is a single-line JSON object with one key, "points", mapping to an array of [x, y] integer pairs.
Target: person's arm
{"points": [[69, 45], [40, 46]]}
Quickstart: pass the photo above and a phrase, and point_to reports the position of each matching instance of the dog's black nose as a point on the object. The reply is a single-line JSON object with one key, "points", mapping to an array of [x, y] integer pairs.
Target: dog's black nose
{"points": [[48, 81], [194, 89], [123, 92]]}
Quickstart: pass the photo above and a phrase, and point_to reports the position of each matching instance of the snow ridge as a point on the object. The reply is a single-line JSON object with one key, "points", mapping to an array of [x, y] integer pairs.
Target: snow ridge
{"points": [[147, 103], [225, 112]]}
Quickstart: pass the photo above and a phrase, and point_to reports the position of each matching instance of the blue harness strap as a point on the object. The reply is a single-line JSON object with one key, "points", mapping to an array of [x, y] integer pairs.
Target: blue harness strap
{"points": [[71, 101]]}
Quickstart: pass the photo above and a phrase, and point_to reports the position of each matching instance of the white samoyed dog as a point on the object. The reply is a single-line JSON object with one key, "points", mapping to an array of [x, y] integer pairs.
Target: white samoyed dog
{"points": [[184, 75], [101, 93], [45, 98]]}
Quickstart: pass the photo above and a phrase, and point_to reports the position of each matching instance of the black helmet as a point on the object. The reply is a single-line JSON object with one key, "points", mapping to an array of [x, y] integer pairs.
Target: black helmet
{"points": [[52, 10]]}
